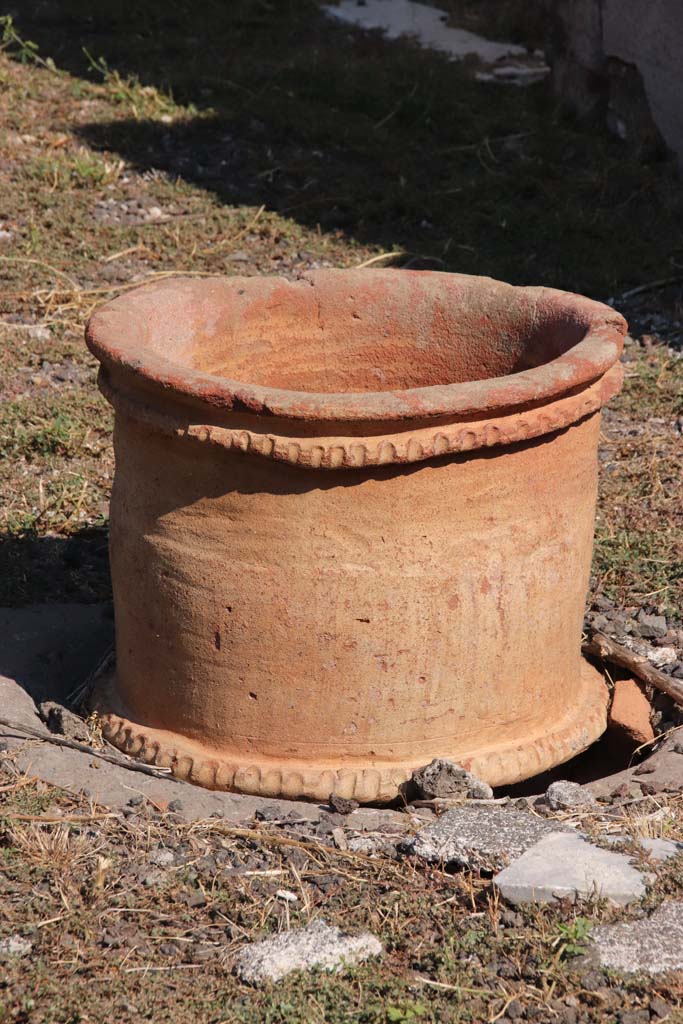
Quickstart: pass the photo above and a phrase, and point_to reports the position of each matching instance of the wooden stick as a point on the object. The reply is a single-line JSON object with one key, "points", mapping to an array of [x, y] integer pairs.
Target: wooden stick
{"points": [[62, 741], [601, 647]]}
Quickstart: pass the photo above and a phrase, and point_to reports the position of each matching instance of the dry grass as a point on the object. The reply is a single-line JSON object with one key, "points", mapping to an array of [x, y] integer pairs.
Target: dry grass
{"points": [[115, 934]]}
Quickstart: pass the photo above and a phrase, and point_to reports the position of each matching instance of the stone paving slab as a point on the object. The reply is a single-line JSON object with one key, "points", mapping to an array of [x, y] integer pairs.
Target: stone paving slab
{"points": [[562, 865], [653, 945]]}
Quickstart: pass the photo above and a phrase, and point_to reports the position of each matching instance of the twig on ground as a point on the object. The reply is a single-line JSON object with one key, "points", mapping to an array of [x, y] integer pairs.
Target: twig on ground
{"points": [[78, 695], [601, 647], [61, 741], [651, 286]]}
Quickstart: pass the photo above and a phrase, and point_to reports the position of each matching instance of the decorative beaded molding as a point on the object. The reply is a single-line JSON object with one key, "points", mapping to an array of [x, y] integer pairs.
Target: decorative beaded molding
{"points": [[413, 445], [585, 722]]}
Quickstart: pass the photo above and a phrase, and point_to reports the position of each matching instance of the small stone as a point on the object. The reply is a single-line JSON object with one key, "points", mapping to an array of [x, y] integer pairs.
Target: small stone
{"points": [[342, 805], [317, 945], [478, 789], [40, 333], [653, 945], [650, 626], [14, 946], [565, 796], [511, 919], [136, 801], [662, 657], [515, 1010], [286, 895], [479, 837], [630, 712], [659, 1007], [440, 778], [63, 722], [567, 865], [175, 806], [363, 844], [153, 878], [339, 838], [162, 857], [678, 747], [443, 778], [568, 1016], [660, 850]]}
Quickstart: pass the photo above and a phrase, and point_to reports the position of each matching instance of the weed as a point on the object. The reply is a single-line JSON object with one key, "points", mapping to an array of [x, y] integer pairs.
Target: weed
{"points": [[572, 939], [82, 169], [142, 100], [405, 1014], [24, 50]]}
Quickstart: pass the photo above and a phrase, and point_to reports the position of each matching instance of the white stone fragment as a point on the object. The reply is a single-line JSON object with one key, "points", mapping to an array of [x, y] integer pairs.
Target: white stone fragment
{"points": [[14, 946], [316, 945], [398, 18]]}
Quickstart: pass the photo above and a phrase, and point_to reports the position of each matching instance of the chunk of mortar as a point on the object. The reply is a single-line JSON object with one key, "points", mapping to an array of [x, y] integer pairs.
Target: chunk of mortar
{"points": [[444, 778], [565, 796], [480, 837], [317, 945]]}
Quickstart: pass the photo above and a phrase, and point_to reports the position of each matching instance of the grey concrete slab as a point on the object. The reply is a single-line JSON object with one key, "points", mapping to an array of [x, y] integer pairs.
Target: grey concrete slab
{"points": [[566, 865], [653, 945], [479, 836]]}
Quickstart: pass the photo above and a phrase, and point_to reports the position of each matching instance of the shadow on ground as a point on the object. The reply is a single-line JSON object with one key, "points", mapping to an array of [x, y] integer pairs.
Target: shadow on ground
{"points": [[35, 568], [395, 146]]}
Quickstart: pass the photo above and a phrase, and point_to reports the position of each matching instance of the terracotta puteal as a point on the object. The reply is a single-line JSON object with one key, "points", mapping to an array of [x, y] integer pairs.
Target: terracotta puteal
{"points": [[351, 526]]}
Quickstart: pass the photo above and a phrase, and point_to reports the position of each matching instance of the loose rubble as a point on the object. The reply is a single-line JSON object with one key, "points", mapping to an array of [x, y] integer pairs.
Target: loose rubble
{"points": [[653, 945], [566, 865], [444, 778], [646, 632], [317, 945], [567, 796]]}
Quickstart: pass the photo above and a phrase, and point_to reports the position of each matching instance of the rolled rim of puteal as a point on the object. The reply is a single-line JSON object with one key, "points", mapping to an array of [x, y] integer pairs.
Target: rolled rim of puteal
{"points": [[347, 368]]}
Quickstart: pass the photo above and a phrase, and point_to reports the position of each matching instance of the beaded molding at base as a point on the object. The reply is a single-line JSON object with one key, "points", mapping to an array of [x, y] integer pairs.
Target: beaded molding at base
{"points": [[414, 445], [585, 722]]}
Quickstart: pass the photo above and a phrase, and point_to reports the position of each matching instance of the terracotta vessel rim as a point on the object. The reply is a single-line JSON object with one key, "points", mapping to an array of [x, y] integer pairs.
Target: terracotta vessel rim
{"points": [[111, 338]]}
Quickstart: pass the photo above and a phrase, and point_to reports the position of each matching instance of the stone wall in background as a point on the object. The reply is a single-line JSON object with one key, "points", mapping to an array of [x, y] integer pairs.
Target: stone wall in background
{"points": [[622, 60]]}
